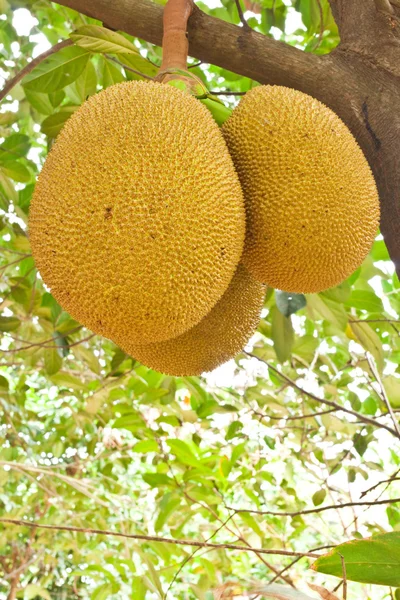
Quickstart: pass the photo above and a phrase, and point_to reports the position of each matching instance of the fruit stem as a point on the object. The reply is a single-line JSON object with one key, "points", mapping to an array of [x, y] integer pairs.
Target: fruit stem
{"points": [[175, 43]]}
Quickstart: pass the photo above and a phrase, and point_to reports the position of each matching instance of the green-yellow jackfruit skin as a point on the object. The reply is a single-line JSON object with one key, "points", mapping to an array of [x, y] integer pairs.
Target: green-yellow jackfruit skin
{"points": [[311, 201], [220, 336], [137, 222]]}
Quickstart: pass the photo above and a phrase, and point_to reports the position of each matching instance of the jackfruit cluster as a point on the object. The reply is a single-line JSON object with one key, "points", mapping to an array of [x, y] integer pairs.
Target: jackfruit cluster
{"points": [[137, 221], [156, 230], [311, 201]]}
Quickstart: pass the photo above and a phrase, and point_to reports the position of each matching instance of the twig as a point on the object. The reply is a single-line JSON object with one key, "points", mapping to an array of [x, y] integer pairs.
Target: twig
{"points": [[374, 321], [385, 398], [19, 570], [241, 15], [299, 417], [293, 562], [388, 481], [310, 511], [344, 577], [227, 93], [128, 68], [194, 65], [384, 6], [188, 558], [293, 384], [155, 538], [30, 66]]}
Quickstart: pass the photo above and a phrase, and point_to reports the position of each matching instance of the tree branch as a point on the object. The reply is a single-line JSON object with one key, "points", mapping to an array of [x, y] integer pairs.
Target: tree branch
{"points": [[335, 405], [309, 511], [154, 538], [213, 41]]}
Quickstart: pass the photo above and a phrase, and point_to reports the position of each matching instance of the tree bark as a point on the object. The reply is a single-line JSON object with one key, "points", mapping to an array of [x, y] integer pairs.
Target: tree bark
{"points": [[13, 588], [360, 80]]}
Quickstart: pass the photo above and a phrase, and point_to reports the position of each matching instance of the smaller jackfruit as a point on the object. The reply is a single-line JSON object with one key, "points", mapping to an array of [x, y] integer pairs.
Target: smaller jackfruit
{"points": [[220, 336], [312, 205]]}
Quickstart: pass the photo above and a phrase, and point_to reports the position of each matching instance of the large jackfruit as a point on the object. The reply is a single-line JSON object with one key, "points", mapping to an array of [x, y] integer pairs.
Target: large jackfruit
{"points": [[220, 336], [311, 201], [137, 222]]}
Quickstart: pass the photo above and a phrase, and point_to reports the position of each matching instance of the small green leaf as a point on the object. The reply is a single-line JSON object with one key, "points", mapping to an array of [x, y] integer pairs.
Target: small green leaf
{"points": [[9, 323], [392, 387], [102, 592], [373, 560], [84, 86], [52, 361], [365, 300], [156, 479], [146, 446], [100, 39], [54, 123], [111, 73], [57, 71], [14, 147], [32, 591], [319, 497], [369, 340], [288, 303], [16, 170], [282, 334], [40, 102]]}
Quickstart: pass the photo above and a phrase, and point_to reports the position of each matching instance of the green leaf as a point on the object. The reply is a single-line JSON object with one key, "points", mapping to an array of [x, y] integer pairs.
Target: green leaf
{"points": [[139, 63], [57, 71], [392, 387], [100, 39], [183, 453], [288, 303], [32, 591], [369, 340], [4, 383], [16, 170], [84, 86], [373, 560], [102, 592], [9, 323], [139, 588], [111, 73], [365, 300], [40, 102], [146, 446], [156, 479], [15, 146], [52, 361], [328, 310], [53, 124], [282, 334], [319, 497]]}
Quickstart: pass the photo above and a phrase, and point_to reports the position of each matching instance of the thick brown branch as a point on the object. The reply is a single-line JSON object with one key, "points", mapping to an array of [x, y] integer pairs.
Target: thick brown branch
{"points": [[154, 538], [212, 41]]}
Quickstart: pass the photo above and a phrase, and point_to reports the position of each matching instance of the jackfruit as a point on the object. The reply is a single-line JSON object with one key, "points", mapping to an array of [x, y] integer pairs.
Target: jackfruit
{"points": [[311, 201], [220, 336], [137, 221]]}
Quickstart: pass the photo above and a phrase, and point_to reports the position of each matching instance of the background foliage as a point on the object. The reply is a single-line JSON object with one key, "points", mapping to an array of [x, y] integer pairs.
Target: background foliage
{"points": [[92, 439]]}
